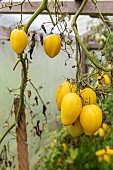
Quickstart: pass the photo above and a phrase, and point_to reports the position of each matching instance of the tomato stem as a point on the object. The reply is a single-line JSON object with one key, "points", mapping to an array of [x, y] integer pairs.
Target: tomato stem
{"points": [[22, 88], [42, 7]]}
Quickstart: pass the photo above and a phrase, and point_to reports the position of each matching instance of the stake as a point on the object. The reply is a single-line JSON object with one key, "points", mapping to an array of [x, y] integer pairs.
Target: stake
{"points": [[21, 137]]}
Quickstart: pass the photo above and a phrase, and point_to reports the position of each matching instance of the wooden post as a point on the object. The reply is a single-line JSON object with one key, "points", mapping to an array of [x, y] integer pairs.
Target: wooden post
{"points": [[21, 138]]}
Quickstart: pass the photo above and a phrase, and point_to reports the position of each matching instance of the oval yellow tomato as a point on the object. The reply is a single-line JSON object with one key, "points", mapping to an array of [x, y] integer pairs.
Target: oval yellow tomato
{"points": [[96, 133], [98, 84], [75, 129], [88, 96], [105, 127], [64, 88], [52, 45], [101, 133], [64, 147], [90, 118], [70, 108], [106, 80], [107, 147], [18, 40]]}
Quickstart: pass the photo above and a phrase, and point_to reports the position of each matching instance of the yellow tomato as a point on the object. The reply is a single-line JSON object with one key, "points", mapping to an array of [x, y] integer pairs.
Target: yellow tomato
{"points": [[88, 96], [104, 127], [52, 45], [70, 108], [75, 129], [109, 129], [101, 133], [90, 118], [100, 78], [107, 147], [98, 84], [96, 133], [18, 40], [64, 88], [64, 147], [106, 80]]}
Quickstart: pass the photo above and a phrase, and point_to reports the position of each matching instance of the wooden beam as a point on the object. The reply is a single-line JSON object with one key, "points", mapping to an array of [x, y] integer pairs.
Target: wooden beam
{"points": [[67, 7]]}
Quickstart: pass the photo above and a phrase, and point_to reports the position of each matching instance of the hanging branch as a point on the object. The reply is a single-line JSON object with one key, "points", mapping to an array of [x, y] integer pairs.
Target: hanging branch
{"points": [[42, 7], [23, 82], [10, 5], [73, 24], [101, 16], [44, 106]]}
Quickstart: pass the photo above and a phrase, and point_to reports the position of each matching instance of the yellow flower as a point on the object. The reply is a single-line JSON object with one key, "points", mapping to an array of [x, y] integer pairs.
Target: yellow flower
{"points": [[106, 158], [109, 151], [100, 158], [104, 154], [100, 152]]}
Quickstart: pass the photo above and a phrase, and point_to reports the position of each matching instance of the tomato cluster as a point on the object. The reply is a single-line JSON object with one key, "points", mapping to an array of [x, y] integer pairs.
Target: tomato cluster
{"points": [[79, 112]]}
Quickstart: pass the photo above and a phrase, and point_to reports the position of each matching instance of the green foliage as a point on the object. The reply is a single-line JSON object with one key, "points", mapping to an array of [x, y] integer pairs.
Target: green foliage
{"points": [[79, 152], [108, 46]]}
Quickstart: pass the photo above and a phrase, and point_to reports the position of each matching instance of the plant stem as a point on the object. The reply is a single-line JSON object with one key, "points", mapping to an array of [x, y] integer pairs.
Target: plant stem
{"points": [[22, 88], [7, 131], [23, 83], [73, 24], [51, 17], [37, 92], [42, 7], [101, 16]]}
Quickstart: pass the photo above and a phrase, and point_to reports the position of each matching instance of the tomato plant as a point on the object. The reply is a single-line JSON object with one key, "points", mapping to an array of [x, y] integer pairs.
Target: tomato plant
{"points": [[83, 97]]}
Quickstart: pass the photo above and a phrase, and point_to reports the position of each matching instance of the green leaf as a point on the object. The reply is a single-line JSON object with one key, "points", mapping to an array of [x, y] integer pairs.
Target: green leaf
{"points": [[73, 153], [69, 160], [37, 150]]}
